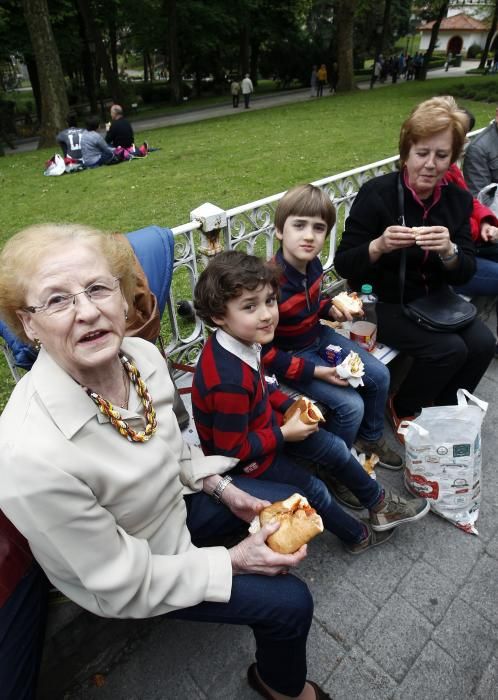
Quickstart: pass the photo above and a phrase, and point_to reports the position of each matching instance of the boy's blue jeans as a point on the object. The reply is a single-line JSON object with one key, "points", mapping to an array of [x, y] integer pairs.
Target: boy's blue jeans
{"points": [[352, 412], [278, 609], [484, 281]]}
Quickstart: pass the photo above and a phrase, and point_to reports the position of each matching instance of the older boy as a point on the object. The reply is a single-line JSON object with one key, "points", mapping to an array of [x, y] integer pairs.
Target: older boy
{"points": [[238, 413], [303, 221]]}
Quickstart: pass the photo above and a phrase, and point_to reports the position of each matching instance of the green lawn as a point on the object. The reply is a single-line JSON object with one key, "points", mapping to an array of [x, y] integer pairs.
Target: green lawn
{"points": [[227, 161]]}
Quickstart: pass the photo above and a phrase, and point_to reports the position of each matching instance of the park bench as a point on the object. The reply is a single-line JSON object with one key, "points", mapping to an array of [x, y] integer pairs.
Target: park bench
{"points": [[78, 643]]}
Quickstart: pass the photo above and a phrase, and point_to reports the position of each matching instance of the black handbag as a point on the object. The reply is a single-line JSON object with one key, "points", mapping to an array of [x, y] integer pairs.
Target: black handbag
{"points": [[442, 310]]}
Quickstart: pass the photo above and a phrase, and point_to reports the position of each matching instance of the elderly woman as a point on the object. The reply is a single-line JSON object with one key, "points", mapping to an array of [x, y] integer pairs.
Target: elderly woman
{"points": [[97, 478], [431, 140]]}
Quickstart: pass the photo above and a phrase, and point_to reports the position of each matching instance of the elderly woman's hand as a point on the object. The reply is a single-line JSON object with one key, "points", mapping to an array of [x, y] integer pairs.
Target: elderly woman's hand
{"points": [[394, 238], [242, 504], [489, 233], [253, 556], [435, 239]]}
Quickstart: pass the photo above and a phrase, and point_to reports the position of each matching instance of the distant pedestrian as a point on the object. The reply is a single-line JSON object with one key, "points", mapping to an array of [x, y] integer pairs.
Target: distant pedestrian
{"points": [[449, 59], [322, 79], [376, 71], [247, 89], [313, 82], [235, 91], [334, 77]]}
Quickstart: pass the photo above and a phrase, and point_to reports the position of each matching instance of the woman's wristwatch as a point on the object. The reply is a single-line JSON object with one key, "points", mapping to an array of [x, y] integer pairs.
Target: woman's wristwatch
{"points": [[451, 256], [220, 487]]}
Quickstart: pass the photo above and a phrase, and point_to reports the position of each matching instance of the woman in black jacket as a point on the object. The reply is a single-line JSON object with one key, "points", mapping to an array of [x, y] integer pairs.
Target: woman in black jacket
{"points": [[440, 253]]}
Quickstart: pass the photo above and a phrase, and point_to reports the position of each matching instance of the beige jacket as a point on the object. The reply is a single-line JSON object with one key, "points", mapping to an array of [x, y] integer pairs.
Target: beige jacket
{"points": [[105, 517]]}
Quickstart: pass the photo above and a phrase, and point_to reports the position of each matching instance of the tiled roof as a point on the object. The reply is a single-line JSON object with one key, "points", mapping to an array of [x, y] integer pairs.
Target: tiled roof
{"points": [[457, 23]]}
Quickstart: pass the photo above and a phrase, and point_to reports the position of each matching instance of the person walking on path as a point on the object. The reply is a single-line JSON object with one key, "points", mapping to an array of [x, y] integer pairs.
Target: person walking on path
{"points": [[235, 91], [313, 82], [247, 89], [334, 78], [376, 72], [322, 79]]}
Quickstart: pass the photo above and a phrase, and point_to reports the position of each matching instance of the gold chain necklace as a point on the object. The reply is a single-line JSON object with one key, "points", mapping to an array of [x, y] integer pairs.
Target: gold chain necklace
{"points": [[114, 416]]}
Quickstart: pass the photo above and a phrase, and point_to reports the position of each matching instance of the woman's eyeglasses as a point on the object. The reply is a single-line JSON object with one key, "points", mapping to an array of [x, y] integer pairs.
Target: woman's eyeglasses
{"points": [[57, 303]]}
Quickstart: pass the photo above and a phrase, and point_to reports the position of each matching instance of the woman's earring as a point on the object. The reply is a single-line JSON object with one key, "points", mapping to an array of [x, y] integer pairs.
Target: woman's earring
{"points": [[126, 315], [37, 343]]}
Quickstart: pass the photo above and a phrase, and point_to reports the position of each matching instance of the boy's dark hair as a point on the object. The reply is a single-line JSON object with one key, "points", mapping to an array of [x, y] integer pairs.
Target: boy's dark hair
{"points": [[72, 119], [92, 122], [305, 200], [226, 277]]}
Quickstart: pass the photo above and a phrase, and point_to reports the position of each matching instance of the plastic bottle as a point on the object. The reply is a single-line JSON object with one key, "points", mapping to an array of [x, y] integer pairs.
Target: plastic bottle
{"points": [[364, 332]]}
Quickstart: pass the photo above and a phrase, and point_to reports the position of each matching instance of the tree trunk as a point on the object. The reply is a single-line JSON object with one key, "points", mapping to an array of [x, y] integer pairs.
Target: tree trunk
{"points": [[434, 35], [87, 66], [94, 37], [35, 84], [54, 104], [173, 52], [255, 44], [344, 20], [146, 66], [385, 25], [245, 49], [489, 38]]}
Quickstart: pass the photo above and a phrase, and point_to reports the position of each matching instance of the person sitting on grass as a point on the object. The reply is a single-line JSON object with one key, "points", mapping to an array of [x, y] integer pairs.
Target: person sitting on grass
{"points": [[121, 137], [94, 150], [303, 220], [239, 413]]}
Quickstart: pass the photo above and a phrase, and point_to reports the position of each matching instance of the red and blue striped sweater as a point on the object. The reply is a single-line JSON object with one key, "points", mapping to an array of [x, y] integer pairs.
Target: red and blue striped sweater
{"points": [[301, 306], [236, 412]]}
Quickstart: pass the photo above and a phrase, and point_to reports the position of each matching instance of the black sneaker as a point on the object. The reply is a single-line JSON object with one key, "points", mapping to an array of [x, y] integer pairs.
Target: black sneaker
{"points": [[388, 458]]}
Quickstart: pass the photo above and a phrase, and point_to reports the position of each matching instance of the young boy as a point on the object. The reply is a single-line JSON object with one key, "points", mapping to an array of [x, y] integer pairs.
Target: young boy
{"points": [[238, 413], [303, 219]]}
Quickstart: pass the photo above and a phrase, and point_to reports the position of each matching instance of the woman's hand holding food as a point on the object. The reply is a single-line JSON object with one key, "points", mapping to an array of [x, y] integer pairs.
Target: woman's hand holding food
{"points": [[240, 503], [489, 233], [329, 374], [253, 556], [394, 238], [434, 239], [294, 430]]}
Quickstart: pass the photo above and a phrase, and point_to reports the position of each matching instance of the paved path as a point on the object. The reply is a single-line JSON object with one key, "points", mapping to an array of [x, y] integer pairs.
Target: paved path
{"points": [[257, 102], [416, 619]]}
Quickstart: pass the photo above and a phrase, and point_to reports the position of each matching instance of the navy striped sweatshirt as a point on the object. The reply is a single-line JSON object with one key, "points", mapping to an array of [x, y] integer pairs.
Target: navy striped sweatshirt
{"points": [[300, 306], [234, 412]]}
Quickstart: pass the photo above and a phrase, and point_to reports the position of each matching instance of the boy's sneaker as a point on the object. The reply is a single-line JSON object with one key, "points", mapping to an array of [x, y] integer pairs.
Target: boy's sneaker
{"points": [[396, 510], [340, 492], [388, 458], [374, 539]]}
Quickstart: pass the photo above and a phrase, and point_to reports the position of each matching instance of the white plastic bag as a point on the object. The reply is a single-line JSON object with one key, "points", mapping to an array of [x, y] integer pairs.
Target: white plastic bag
{"points": [[55, 166], [443, 459]]}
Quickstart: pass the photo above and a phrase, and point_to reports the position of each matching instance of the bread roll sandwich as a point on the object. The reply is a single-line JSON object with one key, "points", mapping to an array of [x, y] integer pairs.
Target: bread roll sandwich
{"points": [[419, 230], [350, 303], [299, 523], [309, 412]]}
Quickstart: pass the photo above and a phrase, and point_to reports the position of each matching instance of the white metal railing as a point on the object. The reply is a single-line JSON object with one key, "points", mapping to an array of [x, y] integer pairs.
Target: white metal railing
{"points": [[250, 227]]}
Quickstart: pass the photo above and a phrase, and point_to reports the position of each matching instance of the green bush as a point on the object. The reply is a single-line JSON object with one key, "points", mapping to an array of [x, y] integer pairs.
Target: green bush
{"points": [[483, 89], [473, 51], [153, 93]]}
